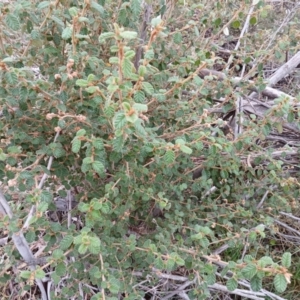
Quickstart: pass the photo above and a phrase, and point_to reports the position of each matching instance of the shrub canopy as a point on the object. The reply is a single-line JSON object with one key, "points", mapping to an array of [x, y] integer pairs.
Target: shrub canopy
{"points": [[145, 142]]}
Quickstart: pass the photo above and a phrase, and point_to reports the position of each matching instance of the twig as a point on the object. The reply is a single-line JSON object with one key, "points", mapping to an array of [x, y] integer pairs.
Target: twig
{"points": [[261, 202], [143, 33], [243, 293], [287, 227], [69, 200], [290, 216], [221, 249], [103, 277], [3, 241], [184, 296], [180, 289]]}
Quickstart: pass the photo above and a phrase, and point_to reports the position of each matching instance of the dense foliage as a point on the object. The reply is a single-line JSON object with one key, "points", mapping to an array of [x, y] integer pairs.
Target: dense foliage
{"points": [[127, 112]]}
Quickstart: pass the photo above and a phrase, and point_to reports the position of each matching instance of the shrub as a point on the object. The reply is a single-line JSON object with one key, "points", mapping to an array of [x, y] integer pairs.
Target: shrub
{"points": [[118, 117]]}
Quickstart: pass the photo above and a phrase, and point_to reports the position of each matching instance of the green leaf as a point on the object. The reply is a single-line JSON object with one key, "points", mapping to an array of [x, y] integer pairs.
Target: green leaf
{"points": [[186, 149], [3, 156], [198, 81], [84, 207], [106, 208], [210, 279], [95, 272], [25, 274], [249, 271], [169, 156], [248, 258], [179, 261], [180, 142], [46, 196], [87, 160], [174, 79], [56, 39], [279, 127], [62, 124], [156, 21], [8, 59], [66, 242], [286, 259], [148, 88], [104, 36], [58, 151], [128, 35], [118, 144], [256, 283], [120, 120], [98, 167], [94, 246], [126, 106], [73, 11], [170, 264], [132, 118], [98, 143], [82, 82], [98, 296], [35, 35], [92, 89], [109, 111], [127, 67], [149, 55], [76, 145], [177, 38], [129, 54], [140, 107], [291, 117], [142, 70], [12, 78], [136, 7], [81, 132], [57, 254], [139, 97], [82, 249], [60, 269], [67, 33], [12, 22], [265, 261], [280, 283], [253, 20], [204, 242], [236, 24], [39, 273], [231, 284], [26, 175], [58, 21], [114, 285], [98, 7], [140, 130], [43, 4], [91, 78], [14, 150]]}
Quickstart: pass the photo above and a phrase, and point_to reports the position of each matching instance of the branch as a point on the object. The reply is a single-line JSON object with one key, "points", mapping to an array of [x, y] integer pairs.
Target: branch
{"points": [[285, 69], [143, 33], [242, 293]]}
